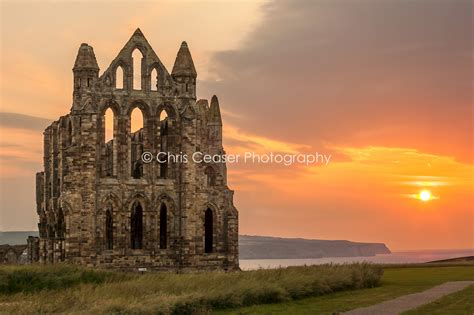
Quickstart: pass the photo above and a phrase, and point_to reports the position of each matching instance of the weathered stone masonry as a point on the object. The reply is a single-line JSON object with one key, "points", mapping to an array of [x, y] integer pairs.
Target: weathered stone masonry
{"points": [[100, 205]]}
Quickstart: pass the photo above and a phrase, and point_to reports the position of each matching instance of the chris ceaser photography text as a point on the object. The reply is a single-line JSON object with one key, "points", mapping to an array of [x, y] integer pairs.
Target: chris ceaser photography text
{"points": [[247, 157]]}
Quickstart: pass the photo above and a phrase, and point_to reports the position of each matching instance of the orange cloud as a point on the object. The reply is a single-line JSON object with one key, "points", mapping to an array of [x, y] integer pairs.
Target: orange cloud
{"points": [[363, 197], [20, 154]]}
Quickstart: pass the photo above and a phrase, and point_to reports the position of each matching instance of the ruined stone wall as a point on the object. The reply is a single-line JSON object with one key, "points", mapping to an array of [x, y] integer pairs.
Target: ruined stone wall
{"points": [[11, 254], [100, 205], [33, 249]]}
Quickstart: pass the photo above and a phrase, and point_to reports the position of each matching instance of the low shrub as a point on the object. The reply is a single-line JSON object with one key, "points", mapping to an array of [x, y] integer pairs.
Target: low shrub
{"points": [[104, 292], [29, 279]]}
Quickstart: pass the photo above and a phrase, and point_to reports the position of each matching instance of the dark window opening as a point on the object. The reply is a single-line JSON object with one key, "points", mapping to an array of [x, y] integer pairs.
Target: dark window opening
{"points": [[109, 159], [163, 226], [164, 134], [61, 227], [88, 82], [136, 226], [208, 229], [109, 229], [163, 159], [137, 170], [164, 166]]}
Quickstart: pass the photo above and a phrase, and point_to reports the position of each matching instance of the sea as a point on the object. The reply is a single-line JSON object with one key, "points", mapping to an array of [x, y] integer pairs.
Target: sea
{"points": [[402, 257]]}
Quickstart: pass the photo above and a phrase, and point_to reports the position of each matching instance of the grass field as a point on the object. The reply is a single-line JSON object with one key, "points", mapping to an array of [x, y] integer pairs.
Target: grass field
{"points": [[69, 289], [326, 289], [395, 282], [457, 303]]}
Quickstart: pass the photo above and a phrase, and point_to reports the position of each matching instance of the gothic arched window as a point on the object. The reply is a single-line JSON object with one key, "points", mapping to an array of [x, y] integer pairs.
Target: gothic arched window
{"points": [[154, 80], [119, 78], [136, 128], [136, 226], [163, 226], [208, 231], [109, 229], [163, 144], [108, 126], [137, 58], [163, 131]]}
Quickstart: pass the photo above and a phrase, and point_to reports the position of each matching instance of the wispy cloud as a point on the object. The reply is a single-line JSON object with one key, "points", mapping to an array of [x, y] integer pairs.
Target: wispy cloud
{"points": [[21, 121]]}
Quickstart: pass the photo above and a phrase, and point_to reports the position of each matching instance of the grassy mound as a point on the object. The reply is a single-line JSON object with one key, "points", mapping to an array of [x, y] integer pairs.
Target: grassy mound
{"points": [[168, 293]]}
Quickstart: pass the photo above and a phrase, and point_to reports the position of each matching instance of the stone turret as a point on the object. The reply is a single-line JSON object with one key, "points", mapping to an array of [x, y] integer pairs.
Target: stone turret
{"points": [[215, 111], [184, 72], [86, 69], [215, 122]]}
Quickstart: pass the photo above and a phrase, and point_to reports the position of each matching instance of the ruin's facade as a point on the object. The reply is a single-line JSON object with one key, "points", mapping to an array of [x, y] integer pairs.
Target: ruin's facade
{"points": [[99, 204]]}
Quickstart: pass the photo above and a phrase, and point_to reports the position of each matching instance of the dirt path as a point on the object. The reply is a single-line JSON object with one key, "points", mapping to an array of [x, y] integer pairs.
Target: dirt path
{"points": [[411, 301]]}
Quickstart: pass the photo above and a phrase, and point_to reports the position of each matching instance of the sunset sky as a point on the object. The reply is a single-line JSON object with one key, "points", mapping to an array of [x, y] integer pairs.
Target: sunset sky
{"points": [[386, 87]]}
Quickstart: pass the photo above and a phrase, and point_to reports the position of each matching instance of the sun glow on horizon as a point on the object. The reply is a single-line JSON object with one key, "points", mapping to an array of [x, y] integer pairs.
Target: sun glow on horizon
{"points": [[425, 195]]}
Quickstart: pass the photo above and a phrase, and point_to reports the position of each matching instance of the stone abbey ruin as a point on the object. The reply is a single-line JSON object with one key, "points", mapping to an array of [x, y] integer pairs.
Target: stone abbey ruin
{"points": [[99, 204]]}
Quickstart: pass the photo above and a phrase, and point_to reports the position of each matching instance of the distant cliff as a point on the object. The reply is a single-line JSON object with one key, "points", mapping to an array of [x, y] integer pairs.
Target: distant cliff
{"points": [[262, 247], [16, 237]]}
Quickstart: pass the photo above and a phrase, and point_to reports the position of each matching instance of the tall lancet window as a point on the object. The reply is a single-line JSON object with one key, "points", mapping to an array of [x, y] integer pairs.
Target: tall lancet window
{"points": [[108, 121], [109, 228], [119, 78], [208, 230], [154, 80], [163, 226], [137, 138], [137, 69], [136, 226], [164, 144]]}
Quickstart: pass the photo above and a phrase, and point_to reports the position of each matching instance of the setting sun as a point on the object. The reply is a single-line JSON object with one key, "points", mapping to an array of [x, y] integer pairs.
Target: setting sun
{"points": [[425, 195]]}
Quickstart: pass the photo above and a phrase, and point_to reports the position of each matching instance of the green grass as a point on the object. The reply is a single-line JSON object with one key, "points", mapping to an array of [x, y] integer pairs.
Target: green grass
{"points": [[14, 279], [67, 289], [323, 289], [461, 302], [396, 281]]}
